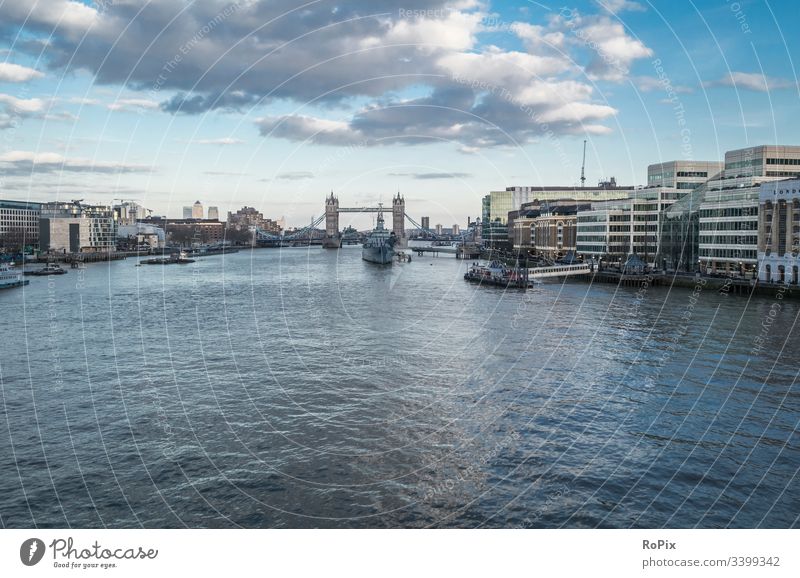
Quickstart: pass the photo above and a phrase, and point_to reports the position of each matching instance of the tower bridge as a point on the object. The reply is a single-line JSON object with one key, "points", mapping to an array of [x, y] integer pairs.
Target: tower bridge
{"points": [[333, 238]]}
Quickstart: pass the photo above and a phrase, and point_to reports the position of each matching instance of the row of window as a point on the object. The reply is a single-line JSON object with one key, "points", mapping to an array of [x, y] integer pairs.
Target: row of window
{"points": [[781, 173], [729, 226], [728, 212], [692, 173], [728, 239], [783, 161], [727, 253]]}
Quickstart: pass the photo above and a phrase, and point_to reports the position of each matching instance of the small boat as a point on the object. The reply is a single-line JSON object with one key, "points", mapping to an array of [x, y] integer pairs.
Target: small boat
{"points": [[495, 273], [11, 277], [49, 269], [78, 265]]}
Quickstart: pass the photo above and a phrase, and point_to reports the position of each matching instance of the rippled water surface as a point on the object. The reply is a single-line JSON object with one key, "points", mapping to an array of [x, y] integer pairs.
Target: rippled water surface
{"points": [[300, 388]]}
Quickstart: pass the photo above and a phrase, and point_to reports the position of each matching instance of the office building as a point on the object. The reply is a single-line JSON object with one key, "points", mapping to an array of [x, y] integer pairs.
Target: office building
{"points": [[187, 212], [426, 223], [197, 210], [75, 227], [682, 174], [19, 225], [213, 214]]}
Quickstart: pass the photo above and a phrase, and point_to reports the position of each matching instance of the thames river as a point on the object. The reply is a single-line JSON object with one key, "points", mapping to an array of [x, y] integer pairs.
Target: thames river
{"points": [[307, 388]]}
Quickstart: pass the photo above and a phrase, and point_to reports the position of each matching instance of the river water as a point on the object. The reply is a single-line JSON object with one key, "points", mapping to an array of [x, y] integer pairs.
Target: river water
{"points": [[307, 388]]}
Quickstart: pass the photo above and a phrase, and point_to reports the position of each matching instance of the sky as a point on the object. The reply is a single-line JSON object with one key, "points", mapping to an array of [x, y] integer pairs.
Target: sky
{"points": [[274, 104]]}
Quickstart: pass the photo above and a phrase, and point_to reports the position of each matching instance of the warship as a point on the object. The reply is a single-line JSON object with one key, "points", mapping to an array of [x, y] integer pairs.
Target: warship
{"points": [[379, 245]]}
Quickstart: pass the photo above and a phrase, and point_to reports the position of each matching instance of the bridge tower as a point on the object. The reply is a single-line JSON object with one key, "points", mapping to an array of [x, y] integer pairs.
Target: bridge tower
{"points": [[399, 220], [332, 238]]}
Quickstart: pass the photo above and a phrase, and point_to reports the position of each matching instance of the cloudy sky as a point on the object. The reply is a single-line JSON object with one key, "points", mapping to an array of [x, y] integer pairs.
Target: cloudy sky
{"points": [[275, 103]]}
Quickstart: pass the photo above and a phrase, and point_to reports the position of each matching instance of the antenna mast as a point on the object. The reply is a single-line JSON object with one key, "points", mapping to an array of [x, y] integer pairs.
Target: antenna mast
{"points": [[583, 166]]}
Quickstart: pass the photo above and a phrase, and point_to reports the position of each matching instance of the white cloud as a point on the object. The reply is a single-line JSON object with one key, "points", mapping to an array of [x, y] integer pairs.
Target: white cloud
{"points": [[616, 6], [67, 16], [21, 106], [220, 141], [752, 81], [16, 73], [17, 163], [132, 104], [651, 83]]}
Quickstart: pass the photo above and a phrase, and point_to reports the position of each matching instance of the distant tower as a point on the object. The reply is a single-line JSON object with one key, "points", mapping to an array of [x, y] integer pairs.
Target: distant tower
{"points": [[197, 210], [332, 238], [213, 214], [426, 223], [187, 212], [456, 230], [399, 220]]}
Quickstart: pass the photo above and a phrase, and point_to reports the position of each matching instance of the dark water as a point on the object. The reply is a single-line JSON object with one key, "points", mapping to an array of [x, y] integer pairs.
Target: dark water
{"points": [[297, 388]]}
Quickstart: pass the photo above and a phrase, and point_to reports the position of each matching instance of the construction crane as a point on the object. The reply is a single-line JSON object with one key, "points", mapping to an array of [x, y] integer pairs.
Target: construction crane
{"points": [[583, 166]]}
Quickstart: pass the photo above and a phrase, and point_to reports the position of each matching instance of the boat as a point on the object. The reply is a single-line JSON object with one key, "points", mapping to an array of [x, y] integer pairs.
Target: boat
{"points": [[49, 269], [495, 273], [11, 277], [179, 258], [379, 245]]}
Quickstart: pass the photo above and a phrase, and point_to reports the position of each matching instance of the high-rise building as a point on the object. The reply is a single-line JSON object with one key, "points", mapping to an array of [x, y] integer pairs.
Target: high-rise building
{"points": [[213, 214], [456, 230], [19, 224], [187, 212], [197, 210], [426, 223], [438, 229]]}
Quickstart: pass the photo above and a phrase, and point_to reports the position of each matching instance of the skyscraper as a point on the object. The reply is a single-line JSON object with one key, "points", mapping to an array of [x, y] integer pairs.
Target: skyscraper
{"points": [[426, 222], [197, 210], [187, 212], [213, 213]]}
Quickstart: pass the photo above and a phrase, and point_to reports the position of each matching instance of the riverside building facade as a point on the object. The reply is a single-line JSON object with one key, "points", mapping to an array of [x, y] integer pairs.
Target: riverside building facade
{"points": [[77, 228], [779, 231], [19, 224]]}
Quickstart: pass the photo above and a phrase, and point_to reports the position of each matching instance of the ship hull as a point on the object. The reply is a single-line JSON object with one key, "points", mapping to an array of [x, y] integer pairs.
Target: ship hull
{"points": [[380, 255]]}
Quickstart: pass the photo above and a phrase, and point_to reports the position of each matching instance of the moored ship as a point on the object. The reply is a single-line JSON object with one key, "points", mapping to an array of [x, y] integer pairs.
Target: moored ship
{"points": [[10, 277], [379, 245]]}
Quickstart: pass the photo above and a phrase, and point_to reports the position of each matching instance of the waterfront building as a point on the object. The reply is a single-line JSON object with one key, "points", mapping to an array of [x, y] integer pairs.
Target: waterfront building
{"points": [[682, 175], [496, 206], [19, 224], [604, 230], [456, 230], [779, 231], [438, 229], [426, 223], [522, 229], [213, 213], [74, 227], [188, 232], [143, 234], [248, 217], [555, 233], [714, 229], [197, 210], [187, 212]]}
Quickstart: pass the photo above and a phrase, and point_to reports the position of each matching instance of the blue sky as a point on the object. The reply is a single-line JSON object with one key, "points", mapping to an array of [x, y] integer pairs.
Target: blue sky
{"points": [[273, 104]]}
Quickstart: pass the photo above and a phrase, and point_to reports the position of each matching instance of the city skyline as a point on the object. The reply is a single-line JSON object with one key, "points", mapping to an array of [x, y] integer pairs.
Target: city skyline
{"points": [[443, 101]]}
